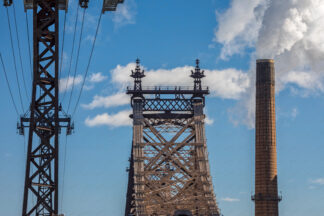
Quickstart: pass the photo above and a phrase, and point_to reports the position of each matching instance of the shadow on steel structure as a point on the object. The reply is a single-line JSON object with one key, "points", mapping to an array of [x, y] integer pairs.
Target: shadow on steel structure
{"points": [[169, 171]]}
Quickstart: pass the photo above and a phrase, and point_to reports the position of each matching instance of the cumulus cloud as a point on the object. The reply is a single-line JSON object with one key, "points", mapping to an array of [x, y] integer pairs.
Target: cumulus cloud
{"points": [[291, 32], [238, 27], [227, 84], [229, 199], [306, 80], [115, 120], [125, 13], [209, 121], [66, 84], [97, 77], [118, 99]]}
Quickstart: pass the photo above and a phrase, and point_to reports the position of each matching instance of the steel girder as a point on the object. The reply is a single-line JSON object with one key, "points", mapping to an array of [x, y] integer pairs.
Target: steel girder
{"points": [[169, 169], [41, 180]]}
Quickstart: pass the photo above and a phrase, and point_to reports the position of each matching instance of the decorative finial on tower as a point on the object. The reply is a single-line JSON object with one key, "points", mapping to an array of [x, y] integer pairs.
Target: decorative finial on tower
{"points": [[84, 3], [7, 3], [138, 74], [197, 75]]}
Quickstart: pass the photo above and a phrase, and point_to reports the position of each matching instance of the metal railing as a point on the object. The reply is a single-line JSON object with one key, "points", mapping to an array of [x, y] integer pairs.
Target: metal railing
{"points": [[171, 88]]}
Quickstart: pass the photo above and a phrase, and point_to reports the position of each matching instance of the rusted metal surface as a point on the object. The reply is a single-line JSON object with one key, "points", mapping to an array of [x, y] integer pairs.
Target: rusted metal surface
{"points": [[169, 169], [266, 186]]}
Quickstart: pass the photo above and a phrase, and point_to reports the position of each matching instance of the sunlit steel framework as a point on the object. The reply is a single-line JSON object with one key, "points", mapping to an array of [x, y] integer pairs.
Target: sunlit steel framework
{"points": [[169, 171]]}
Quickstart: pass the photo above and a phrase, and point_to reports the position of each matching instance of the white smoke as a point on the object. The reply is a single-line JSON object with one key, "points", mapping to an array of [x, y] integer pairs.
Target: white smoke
{"points": [[289, 31]]}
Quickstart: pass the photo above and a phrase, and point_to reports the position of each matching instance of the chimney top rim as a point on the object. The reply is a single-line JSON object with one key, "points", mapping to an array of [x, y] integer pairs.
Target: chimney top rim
{"points": [[265, 60]]}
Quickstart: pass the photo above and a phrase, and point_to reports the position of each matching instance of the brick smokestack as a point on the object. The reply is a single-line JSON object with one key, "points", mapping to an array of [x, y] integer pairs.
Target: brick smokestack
{"points": [[266, 186]]}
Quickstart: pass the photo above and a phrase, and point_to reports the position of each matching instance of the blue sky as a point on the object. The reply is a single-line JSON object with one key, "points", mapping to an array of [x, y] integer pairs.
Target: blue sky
{"points": [[227, 36]]}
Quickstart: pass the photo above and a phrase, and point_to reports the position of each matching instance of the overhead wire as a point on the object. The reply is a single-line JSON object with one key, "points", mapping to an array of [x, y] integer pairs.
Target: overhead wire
{"points": [[65, 147], [69, 71], [64, 167], [29, 49], [77, 60], [8, 85], [19, 51], [88, 66], [14, 59], [63, 40]]}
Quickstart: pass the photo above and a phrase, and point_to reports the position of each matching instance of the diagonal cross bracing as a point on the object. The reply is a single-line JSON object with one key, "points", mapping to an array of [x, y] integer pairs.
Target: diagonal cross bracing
{"points": [[169, 169], [44, 122]]}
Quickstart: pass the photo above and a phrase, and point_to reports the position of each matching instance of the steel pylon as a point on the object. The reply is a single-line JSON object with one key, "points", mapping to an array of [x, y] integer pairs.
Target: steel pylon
{"points": [[169, 171], [44, 118]]}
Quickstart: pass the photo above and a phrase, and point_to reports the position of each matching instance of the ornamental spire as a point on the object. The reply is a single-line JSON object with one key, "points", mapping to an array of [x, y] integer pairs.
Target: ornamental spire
{"points": [[197, 75], [138, 74]]}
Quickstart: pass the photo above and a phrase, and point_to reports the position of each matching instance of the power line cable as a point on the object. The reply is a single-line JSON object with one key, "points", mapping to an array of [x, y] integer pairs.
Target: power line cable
{"points": [[64, 167], [88, 66], [14, 58], [75, 26], [29, 49], [77, 60], [19, 51], [8, 84], [61, 61]]}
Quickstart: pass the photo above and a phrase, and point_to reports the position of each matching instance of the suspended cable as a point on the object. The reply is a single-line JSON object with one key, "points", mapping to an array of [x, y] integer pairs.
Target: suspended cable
{"points": [[19, 51], [29, 49], [64, 166], [74, 34], [77, 60], [61, 61], [8, 84], [14, 58], [88, 66]]}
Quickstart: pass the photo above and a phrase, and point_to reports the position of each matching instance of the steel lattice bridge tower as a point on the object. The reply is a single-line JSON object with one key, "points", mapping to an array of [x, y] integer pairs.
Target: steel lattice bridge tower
{"points": [[169, 171], [45, 117]]}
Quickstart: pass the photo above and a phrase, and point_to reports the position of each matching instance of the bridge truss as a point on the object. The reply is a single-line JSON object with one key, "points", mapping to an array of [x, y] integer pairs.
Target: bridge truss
{"points": [[169, 170]]}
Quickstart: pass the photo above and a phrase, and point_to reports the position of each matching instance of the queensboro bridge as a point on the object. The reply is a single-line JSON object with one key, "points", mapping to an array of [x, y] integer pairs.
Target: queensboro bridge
{"points": [[169, 171]]}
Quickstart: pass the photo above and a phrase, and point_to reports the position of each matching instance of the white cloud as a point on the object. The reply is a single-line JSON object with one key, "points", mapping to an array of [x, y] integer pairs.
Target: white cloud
{"points": [[306, 80], [228, 199], [125, 13], [209, 121], [227, 84], [88, 87], [67, 83], [115, 120], [319, 181], [65, 60], [118, 99], [291, 32], [97, 77], [238, 27]]}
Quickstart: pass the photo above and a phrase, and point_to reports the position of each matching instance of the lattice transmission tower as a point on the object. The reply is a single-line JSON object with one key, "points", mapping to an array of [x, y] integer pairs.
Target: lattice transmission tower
{"points": [[169, 171], [45, 117]]}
